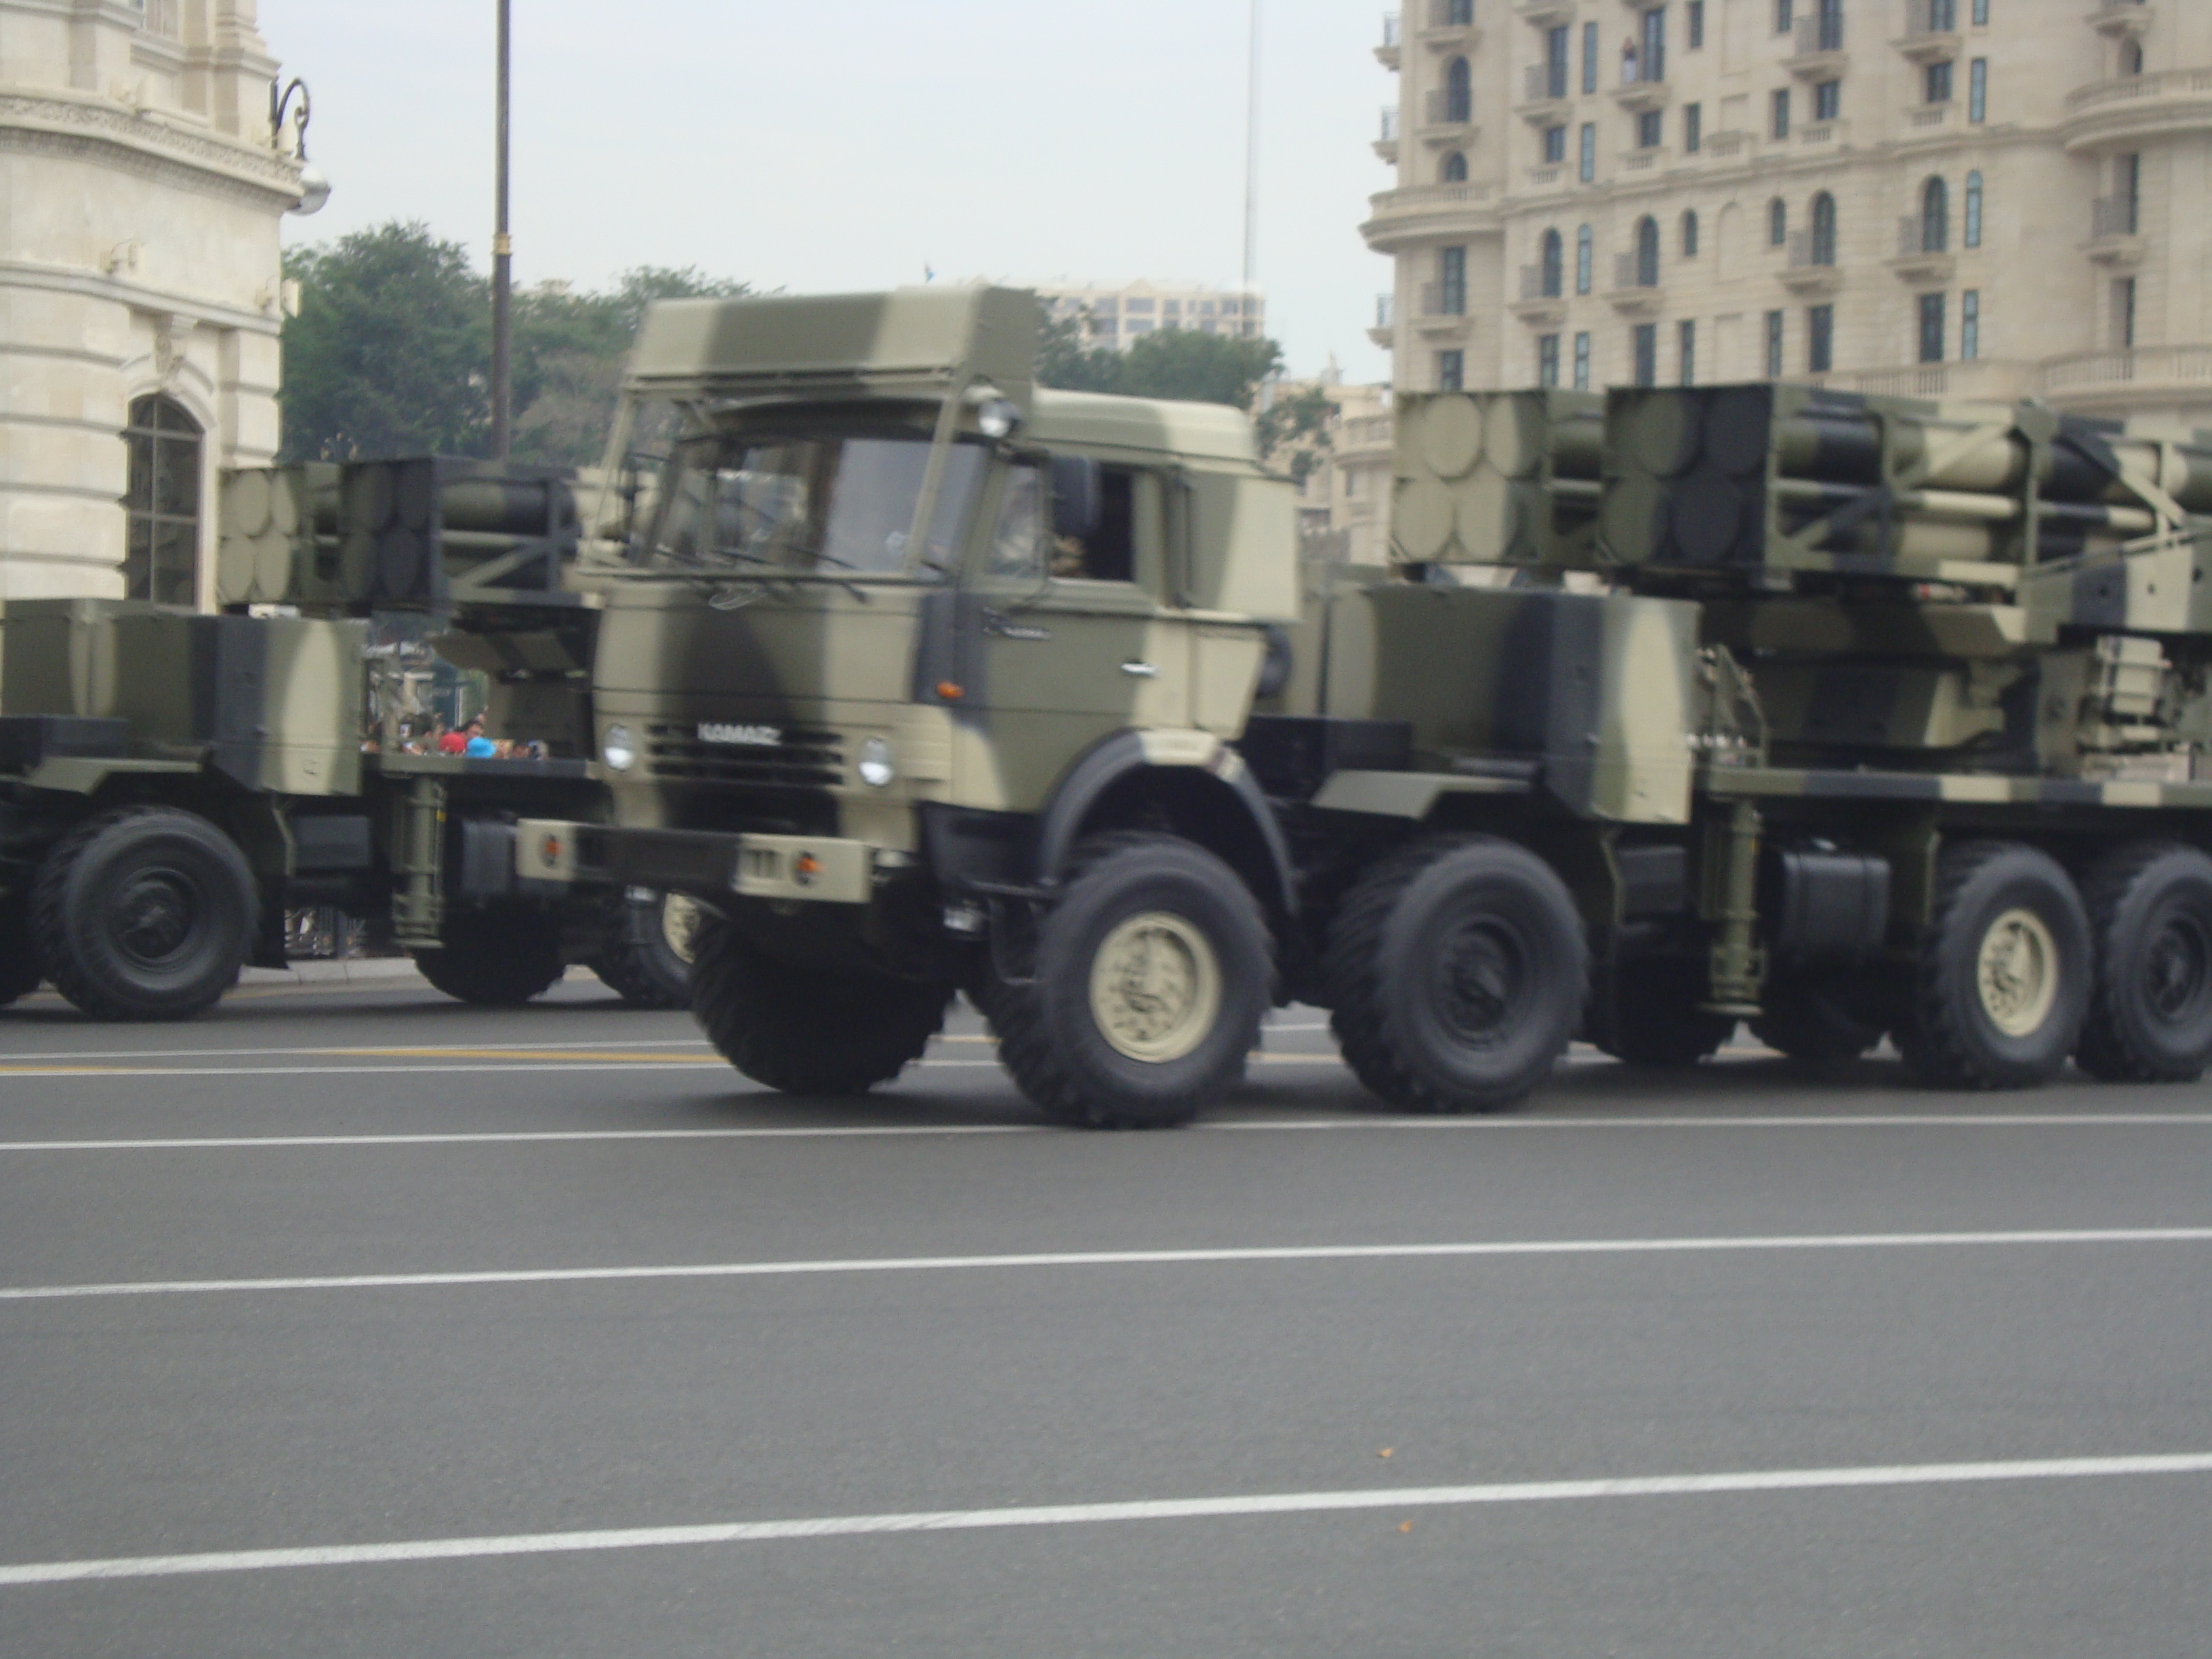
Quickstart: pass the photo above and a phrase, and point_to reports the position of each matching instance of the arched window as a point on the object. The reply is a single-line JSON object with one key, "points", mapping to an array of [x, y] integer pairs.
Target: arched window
{"points": [[1585, 244], [1777, 223], [1647, 252], [1972, 228], [1459, 91], [1690, 234], [1824, 229], [162, 503], [1454, 171], [1554, 257], [1934, 216]]}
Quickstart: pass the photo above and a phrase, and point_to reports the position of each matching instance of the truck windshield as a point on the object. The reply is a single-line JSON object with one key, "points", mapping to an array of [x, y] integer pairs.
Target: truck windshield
{"points": [[834, 507]]}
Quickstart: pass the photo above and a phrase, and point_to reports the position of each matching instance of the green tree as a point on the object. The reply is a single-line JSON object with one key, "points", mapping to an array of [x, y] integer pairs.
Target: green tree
{"points": [[1302, 422], [1183, 364], [1064, 362]]}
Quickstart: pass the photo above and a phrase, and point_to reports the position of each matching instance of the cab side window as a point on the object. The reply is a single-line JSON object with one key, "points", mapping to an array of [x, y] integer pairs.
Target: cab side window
{"points": [[1103, 548], [1017, 538]]}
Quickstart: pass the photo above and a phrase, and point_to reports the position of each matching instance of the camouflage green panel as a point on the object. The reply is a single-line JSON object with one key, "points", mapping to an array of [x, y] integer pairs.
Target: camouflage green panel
{"points": [[280, 537], [1599, 691], [1501, 478], [59, 656], [2162, 588]]}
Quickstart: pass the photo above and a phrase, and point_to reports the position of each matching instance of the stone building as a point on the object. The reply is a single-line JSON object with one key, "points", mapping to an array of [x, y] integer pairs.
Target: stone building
{"points": [[140, 287], [1122, 313], [1344, 499], [1978, 198]]}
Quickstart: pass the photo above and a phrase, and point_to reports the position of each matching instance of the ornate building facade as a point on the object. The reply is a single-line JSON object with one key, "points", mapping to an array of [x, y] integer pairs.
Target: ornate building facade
{"points": [[1966, 198], [140, 287]]}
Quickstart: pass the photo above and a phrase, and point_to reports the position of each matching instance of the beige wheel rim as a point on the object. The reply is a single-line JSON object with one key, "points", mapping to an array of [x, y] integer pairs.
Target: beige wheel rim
{"points": [[679, 926], [2018, 973], [1155, 988]]}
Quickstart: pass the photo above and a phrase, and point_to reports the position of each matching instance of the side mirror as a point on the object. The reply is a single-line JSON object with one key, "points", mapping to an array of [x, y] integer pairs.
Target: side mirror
{"points": [[1076, 497]]}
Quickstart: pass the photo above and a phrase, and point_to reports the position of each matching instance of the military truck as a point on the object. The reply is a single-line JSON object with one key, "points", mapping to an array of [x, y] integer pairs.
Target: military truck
{"points": [[173, 783], [1675, 710]]}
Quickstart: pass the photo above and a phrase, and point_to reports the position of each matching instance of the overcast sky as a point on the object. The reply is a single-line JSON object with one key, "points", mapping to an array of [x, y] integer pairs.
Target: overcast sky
{"points": [[818, 145]]}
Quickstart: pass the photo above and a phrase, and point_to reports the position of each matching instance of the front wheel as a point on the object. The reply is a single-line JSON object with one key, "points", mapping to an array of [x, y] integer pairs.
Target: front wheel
{"points": [[1456, 969], [650, 944], [1152, 974]]}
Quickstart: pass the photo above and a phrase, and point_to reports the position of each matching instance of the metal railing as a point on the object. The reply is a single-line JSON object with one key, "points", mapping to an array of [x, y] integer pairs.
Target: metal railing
{"points": [[1389, 133], [1630, 272], [2114, 215], [1443, 299], [1392, 24], [1386, 305], [1537, 284], [1918, 237], [1931, 17], [1547, 81], [1449, 109], [1818, 34], [1807, 251], [1450, 14]]}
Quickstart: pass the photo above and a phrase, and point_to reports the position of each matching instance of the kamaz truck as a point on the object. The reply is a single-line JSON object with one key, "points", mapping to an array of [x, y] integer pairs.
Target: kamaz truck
{"points": [[1675, 710], [173, 783]]}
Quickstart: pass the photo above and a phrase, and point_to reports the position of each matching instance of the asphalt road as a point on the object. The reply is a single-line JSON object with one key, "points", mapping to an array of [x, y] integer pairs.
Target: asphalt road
{"points": [[351, 1321]]}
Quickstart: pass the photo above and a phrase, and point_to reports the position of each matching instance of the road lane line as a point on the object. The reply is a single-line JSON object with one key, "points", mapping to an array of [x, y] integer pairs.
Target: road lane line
{"points": [[1392, 1498], [1270, 1125], [471, 1068], [1273, 1253]]}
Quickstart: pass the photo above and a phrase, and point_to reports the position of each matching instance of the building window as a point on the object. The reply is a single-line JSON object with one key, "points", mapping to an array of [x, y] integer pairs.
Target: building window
{"points": [[1777, 223], [2127, 178], [1934, 217], [1461, 12], [1832, 25], [1981, 14], [1650, 129], [1778, 123], [1827, 100], [1644, 341], [1548, 361], [1977, 90], [1820, 338], [1451, 283], [1690, 234], [1943, 17], [1583, 255], [1459, 92], [1654, 43], [1590, 71], [1936, 84], [1555, 144], [1776, 325], [1973, 226], [1694, 128], [1554, 261], [1586, 168], [1785, 16], [162, 503], [1451, 371], [1931, 328], [2131, 59], [1970, 325], [1824, 229], [1558, 48], [2124, 314], [1647, 252], [1582, 362], [1696, 26], [1685, 341], [1454, 169]]}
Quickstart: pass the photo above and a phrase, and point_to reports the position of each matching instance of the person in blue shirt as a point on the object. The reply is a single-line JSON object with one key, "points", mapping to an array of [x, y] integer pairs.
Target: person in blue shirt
{"points": [[479, 746]]}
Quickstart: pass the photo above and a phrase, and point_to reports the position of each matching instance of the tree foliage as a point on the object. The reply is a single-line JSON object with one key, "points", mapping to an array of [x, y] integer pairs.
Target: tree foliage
{"points": [[390, 353], [1301, 422]]}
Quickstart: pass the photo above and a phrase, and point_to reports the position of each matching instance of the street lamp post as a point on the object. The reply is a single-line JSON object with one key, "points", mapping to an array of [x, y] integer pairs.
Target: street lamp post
{"points": [[502, 278]]}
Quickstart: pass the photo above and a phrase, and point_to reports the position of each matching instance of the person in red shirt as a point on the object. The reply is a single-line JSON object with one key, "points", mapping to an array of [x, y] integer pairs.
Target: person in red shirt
{"points": [[457, 743]]}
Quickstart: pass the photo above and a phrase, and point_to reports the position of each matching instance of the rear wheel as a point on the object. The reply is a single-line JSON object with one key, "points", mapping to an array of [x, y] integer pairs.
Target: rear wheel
{"points": [[1455, 969], [1653, 1017], [2150, 922], [144, 913], [651, 940], [20, 972], [807, 1030], [496, 958], [1152, 974], [1817, 1021], [2003, 979]]}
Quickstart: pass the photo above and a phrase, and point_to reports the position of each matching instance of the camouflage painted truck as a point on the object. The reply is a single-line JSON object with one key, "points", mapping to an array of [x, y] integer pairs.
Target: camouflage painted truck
{"points": [[1676, 710], [171, 783]]}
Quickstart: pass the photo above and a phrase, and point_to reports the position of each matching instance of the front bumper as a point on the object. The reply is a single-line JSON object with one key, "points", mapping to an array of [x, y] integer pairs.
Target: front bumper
{"points": [[805, 869]]}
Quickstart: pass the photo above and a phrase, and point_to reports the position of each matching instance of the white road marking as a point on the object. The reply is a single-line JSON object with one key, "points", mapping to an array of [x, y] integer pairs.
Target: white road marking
{"points": [[1264, 1126], [1114, 1259], [1072, 1515], [355, 1049], [673, 1063]]}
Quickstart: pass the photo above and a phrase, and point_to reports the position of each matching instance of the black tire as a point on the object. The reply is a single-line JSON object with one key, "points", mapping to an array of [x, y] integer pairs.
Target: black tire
{"points": [[2016, 905], [496, 958], [144, 913], [1817, 1022], [2150, 925], [805, 1030], [20, 969], [1456, 971], [1654, 1020], [1156, 898], [652, 939]]}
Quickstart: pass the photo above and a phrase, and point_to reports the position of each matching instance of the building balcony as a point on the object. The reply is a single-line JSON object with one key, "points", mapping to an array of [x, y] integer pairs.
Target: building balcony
{"points": [[1399, 218], [1446, 120], [1382, 333], [1448, 25], [1817, 53], [1386, 50], [2112, 114], [1638, 95], [1542, 304], [1824, 132], [2116, 235], [1730, 146], [1811, 269], [1931, 31], [1931, 120], [2097, 381], [1635, 291], [1386, 143], [1985, 380], [1544, 14], [1921, 259], [2121, 19], [1548, 100], [1653, 159], [1443, 309], [1550, 176]]}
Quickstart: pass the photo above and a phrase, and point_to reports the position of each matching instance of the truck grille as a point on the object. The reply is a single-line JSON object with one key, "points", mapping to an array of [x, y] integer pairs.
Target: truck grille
{"points": [[805, 759]]}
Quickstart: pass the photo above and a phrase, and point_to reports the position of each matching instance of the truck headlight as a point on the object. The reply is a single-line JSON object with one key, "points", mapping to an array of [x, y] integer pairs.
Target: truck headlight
{"points": [[618, 748], [876, 767]]}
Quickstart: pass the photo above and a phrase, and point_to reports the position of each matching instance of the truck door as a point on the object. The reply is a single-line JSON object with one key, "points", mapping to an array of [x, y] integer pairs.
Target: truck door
{"points": [[1075, 641]]}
